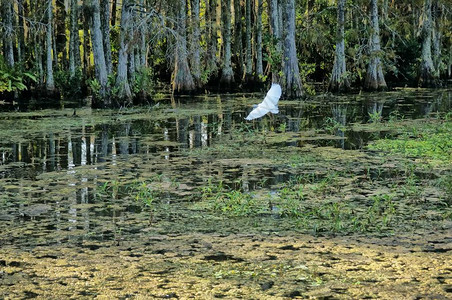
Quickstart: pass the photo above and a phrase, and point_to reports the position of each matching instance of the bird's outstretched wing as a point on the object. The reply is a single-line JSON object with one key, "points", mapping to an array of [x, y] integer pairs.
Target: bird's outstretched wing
{"points": [[270, 103]]}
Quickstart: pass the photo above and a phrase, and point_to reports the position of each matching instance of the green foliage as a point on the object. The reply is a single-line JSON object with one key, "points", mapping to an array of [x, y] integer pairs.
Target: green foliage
{"points": [[229, 202], [14, 79], [375, 116], [429, 141], [140, 191], [143, 193], [143, 81], [95, 87], [69, 86], [331, 125], [306, 69]]}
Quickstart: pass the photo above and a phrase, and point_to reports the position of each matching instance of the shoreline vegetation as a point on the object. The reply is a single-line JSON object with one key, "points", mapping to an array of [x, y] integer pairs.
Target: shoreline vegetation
{"points": [[119, 53]]}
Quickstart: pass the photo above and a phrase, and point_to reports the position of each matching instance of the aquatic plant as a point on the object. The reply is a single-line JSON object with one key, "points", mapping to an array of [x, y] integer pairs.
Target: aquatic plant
{"points": [[143, 193], [235, 203], [375, 117], [331, 125], [431, 141], [228, 201]]}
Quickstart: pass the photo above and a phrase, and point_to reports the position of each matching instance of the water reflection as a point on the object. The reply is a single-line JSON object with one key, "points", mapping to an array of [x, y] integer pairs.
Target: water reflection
{"points": [[90, 145], [339, 112]]}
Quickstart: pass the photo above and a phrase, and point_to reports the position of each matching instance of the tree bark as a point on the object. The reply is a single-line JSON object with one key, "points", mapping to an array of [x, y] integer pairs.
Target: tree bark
{"points": [[427, 74], [131, 69], [21, 48], [86, 45], [98, 53], [195, 43], [9, 33], [436, 37], [238, 45], [276, 52], [50, 83], [143, 33], [248, 50], [339, 81], [292, 87], [105, 26], [212, 38], [259, 63], [227, 75], [38, 59], [375, 79], [74, 40], [182, 78], [122, 83]]}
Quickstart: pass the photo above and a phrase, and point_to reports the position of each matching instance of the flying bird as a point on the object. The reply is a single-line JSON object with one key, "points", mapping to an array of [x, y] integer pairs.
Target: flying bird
{"points": [[270, 103]]}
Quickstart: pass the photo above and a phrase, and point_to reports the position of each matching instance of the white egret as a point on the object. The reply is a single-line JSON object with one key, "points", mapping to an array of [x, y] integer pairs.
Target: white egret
{"points": [[270, 103]]}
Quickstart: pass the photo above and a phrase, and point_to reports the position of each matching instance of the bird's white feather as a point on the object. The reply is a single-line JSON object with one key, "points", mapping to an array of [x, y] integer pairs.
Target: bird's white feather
{"points": [[270, 103]]}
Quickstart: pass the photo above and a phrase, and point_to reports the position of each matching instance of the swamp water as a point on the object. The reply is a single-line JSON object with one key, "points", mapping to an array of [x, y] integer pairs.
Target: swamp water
{"points": [[328, 199]]}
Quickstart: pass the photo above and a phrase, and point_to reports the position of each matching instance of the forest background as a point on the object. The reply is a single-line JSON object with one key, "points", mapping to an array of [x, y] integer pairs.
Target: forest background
{"points": [[121, 51]]}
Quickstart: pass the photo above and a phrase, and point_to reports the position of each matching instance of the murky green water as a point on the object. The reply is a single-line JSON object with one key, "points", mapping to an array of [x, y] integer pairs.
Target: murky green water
{"points": [[70, 193]]}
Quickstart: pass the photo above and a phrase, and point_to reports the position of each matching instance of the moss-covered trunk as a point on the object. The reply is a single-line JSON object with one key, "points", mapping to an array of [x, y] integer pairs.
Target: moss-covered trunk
{"points": [[182, 77], [8, 38], [212, 28], [238, 44], [50, 83], [248, 50], [74, 39], [292, 87], [124, 93], [276, 46], [259, 63], [339, 81], [427, 75], [195, 61], [227, 75], [105, 25], [375, 78]]}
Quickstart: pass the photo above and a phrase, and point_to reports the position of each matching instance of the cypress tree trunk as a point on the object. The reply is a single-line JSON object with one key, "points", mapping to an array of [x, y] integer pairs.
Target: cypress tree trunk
{"points": [[38, 59], [195, 43], [21, 49], [248, 50], [143, 32], [122, 83], [339, 81], [427, 70], [259, 63], [98, 52], [227, 75], [74, 40], [105, 25], [436, 37], [211, 20], [375, 79], [292, 87], [182, 78], [275, 53], [238, 45], [131, 65], [86, 44], [50, 83], [9, 37]]}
